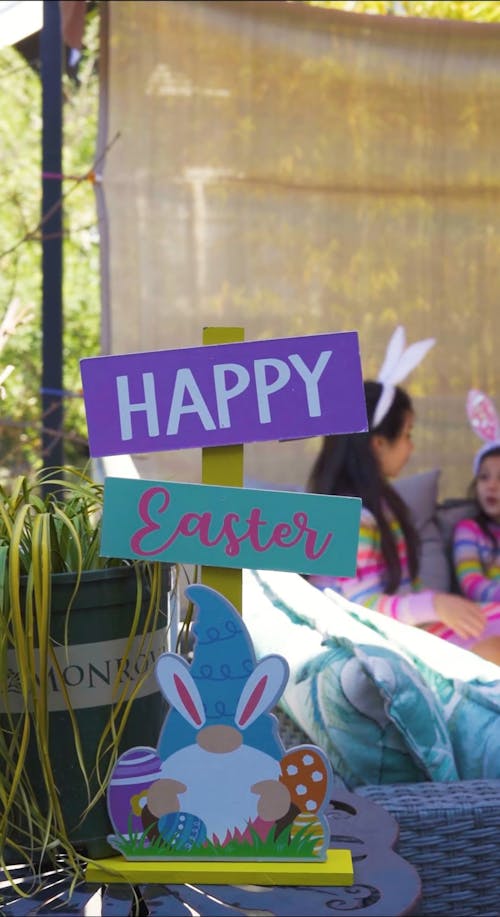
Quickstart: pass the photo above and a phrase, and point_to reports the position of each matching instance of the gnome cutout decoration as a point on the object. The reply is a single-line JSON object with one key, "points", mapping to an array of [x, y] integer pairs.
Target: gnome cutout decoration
{"points": [[220, 783]]}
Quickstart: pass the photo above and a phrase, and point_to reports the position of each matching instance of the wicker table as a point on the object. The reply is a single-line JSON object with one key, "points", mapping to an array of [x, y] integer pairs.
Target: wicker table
{"points": [[385, 885]]}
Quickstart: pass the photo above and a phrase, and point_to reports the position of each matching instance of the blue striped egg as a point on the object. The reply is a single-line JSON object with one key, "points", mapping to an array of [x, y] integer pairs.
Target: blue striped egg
{"points": [[181, 830]]}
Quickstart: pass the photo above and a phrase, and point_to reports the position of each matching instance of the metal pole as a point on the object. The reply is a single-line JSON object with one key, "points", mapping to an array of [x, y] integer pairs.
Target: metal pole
{"points": [[52, 238]]}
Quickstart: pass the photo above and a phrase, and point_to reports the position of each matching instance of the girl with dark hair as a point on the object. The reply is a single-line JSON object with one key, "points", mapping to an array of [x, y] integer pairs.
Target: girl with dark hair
{"points": [[476, 540], [386, 577]]}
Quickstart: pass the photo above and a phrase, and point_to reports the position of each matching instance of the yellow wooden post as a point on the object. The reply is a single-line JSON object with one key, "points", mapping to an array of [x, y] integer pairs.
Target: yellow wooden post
{"points": [[223, 465]]}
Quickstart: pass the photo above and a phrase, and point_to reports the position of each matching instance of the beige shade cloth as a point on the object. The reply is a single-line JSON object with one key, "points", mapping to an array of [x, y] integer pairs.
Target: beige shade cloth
{"points": [[296, 170]]}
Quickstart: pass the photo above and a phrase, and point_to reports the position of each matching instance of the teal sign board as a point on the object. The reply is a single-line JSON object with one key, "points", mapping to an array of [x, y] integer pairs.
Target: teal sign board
{"points": [[230, 526]]}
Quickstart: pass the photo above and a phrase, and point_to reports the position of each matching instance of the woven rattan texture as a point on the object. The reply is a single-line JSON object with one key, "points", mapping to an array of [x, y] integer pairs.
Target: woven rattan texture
{"points": [[290, 733], [450, 832]]}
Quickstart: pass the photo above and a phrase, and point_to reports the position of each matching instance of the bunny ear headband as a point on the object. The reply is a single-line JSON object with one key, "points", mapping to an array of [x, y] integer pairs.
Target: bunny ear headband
{"points": [[398, 362], [485, 422]]}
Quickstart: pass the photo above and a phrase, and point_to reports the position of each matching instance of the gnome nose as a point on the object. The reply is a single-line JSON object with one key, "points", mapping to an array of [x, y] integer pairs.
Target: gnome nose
{"points": [[219, 739]]}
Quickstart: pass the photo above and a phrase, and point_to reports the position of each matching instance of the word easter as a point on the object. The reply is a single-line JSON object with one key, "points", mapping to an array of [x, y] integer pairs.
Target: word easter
{"points": [[230, 526], [224, 394]]}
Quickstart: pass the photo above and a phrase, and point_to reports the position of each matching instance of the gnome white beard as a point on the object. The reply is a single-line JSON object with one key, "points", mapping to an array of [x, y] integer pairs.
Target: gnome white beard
{"points": [[218, 785]]}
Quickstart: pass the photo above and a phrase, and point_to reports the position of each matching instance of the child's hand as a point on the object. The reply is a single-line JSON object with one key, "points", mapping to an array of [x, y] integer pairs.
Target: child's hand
{"points": [[465, 617]]}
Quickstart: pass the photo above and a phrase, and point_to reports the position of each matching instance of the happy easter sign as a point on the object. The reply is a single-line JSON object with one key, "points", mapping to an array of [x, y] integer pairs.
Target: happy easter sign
{"points": [[219, 395]]}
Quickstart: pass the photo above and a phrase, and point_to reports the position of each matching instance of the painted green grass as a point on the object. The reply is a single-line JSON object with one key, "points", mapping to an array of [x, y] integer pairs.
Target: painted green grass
{"points": [[138, 846]]}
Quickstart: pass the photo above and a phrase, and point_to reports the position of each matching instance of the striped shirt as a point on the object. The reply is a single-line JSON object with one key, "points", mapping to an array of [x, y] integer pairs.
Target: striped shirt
{"points": [[477, 561], [411, 604]]}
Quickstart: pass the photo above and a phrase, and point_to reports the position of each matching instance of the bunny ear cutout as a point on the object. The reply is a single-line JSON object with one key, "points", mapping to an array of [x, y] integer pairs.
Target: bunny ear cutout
{"points": [[393, 353], [263, 687], [483, 416], [411, 358], [179, 688]]}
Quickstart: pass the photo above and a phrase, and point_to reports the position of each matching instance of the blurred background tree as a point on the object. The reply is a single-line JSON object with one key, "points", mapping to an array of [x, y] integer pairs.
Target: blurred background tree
{"points": [[20, 250], [470, 10], [21, 229]]}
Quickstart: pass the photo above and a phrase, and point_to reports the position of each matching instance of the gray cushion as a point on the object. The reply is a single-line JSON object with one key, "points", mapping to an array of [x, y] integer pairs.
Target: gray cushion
{"points": [[420, 493], [448, 514]]}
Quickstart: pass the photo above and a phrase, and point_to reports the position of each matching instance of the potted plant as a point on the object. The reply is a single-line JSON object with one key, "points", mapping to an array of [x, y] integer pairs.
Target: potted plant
{"points": [[79, 635]]}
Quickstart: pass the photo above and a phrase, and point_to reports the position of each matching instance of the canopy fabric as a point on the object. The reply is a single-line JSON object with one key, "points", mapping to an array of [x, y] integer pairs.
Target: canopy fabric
{"points": [[18, 19], [296, 170]]}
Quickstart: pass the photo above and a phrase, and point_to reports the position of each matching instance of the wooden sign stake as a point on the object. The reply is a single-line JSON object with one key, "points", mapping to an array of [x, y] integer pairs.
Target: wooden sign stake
{"points": [[223, 465]]}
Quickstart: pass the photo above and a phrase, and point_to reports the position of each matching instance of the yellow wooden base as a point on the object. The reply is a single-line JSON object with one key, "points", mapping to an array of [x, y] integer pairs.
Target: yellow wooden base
{"points": [[335, 870]]}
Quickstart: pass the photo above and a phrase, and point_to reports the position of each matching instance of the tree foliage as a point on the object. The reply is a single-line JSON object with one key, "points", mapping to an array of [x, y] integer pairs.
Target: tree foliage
{"points": [[470, 10], [21, 233]]}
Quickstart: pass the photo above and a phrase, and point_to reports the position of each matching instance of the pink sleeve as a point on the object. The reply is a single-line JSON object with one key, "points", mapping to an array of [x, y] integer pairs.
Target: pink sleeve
{"points": [[409, 604], [469, 542]]}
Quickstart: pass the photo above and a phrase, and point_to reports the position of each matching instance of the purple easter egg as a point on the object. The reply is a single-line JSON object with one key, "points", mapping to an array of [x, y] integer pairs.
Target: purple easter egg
{"points": [[135, 771]]}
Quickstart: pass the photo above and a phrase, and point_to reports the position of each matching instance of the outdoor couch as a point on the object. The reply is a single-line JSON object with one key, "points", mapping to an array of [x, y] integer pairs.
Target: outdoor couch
{"points": [[448, 831], [405, 718]]}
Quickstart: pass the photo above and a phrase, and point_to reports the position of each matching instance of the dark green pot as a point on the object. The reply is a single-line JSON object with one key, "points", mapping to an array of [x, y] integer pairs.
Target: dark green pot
{"points": [[99, 625]]}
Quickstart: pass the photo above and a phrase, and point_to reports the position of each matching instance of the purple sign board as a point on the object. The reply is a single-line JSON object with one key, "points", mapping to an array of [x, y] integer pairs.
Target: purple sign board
{"points": [[224, 394]]}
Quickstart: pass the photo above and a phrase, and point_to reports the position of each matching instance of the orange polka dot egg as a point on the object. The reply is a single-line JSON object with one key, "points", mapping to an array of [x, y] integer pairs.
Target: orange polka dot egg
{"points": [[304, 773]]}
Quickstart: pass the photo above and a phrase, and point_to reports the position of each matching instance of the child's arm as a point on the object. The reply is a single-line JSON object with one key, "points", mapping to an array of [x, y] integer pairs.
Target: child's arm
{"points": [[474, 584], [367, 586], [409, 605]]}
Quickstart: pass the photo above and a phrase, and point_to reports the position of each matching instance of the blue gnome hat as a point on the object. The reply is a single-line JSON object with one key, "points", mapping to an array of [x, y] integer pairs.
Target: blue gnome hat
{"points": [[223, 659]]}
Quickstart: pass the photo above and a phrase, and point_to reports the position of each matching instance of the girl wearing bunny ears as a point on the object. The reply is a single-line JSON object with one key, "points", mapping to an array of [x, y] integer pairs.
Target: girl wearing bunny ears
{"points": [[476, 541], [362, 465]]}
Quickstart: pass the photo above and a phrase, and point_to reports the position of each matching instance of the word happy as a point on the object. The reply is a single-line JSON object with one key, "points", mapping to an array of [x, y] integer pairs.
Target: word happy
{"points": [[229, 381], [224, 394]]}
